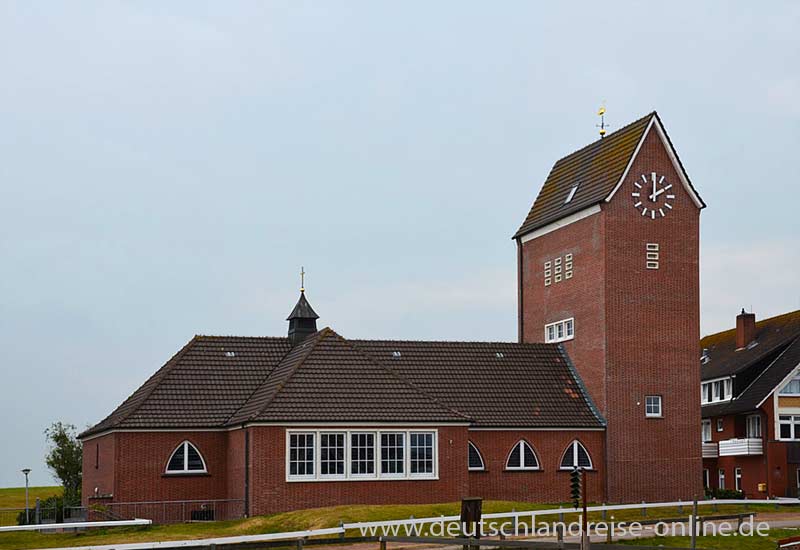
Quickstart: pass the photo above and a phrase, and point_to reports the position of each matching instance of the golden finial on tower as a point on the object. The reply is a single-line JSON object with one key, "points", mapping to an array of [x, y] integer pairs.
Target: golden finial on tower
{"points": [[302, 279], [602, 114]]}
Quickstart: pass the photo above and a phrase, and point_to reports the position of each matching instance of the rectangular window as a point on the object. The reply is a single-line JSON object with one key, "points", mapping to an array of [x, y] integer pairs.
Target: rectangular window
{"points": [[421, 453], [716, 390], [721, 478], [706, 478], [719, 424], [706, 431], [738, 478], [789, 427], [652, 406], [301, 454], [362, 454], [331, 454], [559, 331], [754, 426], [393, 453]]}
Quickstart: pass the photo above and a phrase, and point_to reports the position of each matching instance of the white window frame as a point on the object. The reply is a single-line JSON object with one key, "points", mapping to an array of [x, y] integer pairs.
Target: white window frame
{"points": [[573, 448], [720, 425], [471, 445], [519, 447], [721, 478], [737, 477], [186, 471], [348, 475], [794, 423], [721, 390], [706, 431], [657, 400], [706, 478], [753, 424], [563, 331]]}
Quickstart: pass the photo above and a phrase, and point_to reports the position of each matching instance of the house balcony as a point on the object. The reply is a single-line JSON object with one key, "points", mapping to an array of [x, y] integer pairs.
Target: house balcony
{"points": [[741, 447], [710, 450]]}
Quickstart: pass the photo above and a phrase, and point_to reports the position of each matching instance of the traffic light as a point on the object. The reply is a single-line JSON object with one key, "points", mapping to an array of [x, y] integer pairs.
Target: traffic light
{"points": [[575, 487]]}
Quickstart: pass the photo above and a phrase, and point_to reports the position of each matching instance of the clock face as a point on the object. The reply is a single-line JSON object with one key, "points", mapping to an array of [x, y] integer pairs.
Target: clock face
{"points": [[652, 195]]}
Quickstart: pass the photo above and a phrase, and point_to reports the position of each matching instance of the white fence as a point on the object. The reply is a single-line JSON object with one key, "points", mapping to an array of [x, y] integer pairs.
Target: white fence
{"points": [[295, 535], [76, 525]]}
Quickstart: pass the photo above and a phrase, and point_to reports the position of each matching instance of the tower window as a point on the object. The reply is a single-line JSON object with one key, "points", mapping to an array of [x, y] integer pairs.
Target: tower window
{"points": [[576, 456], [522, 457], [652, 251], [559, 331], [475, 458], [186, 459], [652, 406]]}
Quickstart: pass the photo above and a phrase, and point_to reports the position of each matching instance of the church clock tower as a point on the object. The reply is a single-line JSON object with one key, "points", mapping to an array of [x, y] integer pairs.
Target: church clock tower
{"points": [[608, 262]]}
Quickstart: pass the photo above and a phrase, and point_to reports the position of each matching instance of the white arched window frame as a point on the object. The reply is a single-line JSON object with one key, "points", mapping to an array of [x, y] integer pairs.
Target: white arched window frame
{"points": [[522, 457], [475, 461], [186, 459], [576, 456]]}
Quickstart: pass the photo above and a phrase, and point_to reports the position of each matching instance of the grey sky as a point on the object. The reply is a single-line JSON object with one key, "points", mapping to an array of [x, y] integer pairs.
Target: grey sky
{"points": [[167, 167]]}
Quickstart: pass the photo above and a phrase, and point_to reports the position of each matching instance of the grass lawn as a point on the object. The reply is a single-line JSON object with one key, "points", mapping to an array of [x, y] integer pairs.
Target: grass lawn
{"points": [[306, 519], [720, 543], [15, 497]]}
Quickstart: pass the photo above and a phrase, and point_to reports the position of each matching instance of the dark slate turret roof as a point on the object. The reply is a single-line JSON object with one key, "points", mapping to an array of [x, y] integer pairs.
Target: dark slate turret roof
{"points": [[771, 357], [302, 310], [219, 382]]}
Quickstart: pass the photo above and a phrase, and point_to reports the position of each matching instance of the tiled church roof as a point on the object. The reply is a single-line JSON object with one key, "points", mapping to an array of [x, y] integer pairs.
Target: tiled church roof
{"points": [[218, 381]]}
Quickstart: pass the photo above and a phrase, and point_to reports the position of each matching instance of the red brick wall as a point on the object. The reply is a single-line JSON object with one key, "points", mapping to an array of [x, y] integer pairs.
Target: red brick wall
{"points": [[142, 459], [99, 459], [581, 297], [653, 326], [548, 485], [271, 493], [235, 459]]}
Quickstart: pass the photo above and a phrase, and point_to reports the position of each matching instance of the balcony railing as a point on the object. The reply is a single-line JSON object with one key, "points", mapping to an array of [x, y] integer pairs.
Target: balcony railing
{"points": [[741, 447], [710, 450]]}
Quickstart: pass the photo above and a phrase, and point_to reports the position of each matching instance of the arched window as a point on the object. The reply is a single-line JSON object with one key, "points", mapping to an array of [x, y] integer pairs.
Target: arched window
{"points": [[522, 457], [576, 456], [186, 459], [475, 458]]}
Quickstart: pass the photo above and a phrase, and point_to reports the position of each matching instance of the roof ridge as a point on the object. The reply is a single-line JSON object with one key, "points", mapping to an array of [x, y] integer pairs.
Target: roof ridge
{"points": [[405, 381], [317, 338], [486, 342], [761, 322], [157, 377]]}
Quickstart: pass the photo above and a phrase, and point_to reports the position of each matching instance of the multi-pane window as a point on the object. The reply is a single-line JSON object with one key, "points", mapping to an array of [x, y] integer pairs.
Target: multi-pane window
{"points": [[522, 457], [792, 387], [301, 454], [557, 269], [393, 453], [421, 453], [706, 431], [362, 454], [185, 459], [475, 460], [559, 331], [331, 454], [652, 406], [789, 426], [576, 456], [754, 425], [716, 390]]}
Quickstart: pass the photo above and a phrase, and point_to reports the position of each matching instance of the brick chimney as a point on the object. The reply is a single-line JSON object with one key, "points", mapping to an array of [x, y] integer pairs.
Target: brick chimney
{"points": [[745, 329]]}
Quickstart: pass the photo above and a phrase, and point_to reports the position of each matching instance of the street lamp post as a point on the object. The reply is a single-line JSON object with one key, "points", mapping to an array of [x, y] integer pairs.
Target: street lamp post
{"points": [[26, 471]]}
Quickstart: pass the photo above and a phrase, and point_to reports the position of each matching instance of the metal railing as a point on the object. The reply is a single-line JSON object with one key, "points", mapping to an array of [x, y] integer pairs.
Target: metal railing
{"points": [[171, 511]]}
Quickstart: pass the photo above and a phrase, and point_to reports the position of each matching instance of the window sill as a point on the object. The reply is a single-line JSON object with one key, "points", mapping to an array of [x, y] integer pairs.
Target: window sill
{"points": [[185, 474], [358, 479], [522, 470], [654, 416]]}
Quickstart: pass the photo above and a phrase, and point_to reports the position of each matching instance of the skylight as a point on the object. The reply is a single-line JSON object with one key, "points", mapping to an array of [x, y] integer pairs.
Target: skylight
{"points": [[571, 193]]}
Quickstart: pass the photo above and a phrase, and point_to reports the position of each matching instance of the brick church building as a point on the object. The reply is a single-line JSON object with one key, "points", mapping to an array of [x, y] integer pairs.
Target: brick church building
{"points": [[604, 376]]}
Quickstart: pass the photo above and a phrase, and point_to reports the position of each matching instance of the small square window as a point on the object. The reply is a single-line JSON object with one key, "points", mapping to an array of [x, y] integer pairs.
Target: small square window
{"points": [[568, 274], [558, 278], [652, 255], [557, 261], [547, 282], [547, 265], [652, 247], [568, 266], [568, 258], [558, 269], [652, 265], [548, 272], [652, 406]]}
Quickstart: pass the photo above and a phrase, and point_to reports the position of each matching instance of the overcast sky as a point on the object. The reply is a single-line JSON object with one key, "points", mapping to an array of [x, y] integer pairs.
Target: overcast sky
{"points": [[166, 168]]}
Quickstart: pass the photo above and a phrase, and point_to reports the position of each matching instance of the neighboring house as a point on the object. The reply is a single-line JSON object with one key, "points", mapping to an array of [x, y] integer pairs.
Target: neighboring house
{"points": [[750, 397], [608, 280]]}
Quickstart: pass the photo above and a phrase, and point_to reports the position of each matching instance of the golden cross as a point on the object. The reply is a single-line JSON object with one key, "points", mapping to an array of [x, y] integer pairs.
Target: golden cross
{"points": [[302, 279]]}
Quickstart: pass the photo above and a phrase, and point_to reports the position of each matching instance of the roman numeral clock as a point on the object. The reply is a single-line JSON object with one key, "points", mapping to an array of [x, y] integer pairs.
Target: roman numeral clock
{"points": [[652, 195]]}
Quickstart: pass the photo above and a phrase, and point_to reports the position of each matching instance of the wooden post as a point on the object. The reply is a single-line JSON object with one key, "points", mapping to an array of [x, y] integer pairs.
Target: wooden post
{"points": [[560, 535], [604, 513], [38, 515], [341, 525], [680, 506], [644, 510], [383, 544], [299, 544], [693, 523]]}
